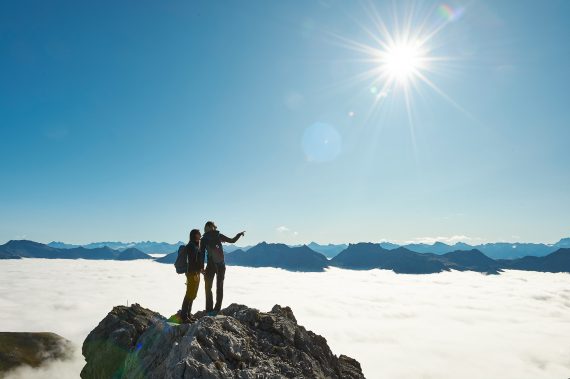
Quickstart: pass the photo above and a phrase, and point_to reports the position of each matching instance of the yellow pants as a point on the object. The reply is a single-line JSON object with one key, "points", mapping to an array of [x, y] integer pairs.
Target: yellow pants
{"points": [[192, 284]]}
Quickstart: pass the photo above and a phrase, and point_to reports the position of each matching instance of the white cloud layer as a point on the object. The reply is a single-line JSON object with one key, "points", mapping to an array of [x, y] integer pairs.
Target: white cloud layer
{"points": [[448, 325], [285, 230]]}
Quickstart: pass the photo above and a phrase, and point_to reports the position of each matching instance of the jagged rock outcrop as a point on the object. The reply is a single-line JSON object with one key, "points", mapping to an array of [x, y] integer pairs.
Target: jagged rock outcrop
{"points": [[240, 342], [31, 349]]}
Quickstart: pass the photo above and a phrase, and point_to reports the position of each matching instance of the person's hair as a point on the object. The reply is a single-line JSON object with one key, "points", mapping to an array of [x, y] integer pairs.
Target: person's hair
{"points": [[209, 226], [193, 234]]}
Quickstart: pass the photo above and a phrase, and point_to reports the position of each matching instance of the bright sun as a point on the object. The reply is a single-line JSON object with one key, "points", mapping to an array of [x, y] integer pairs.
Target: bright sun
{"points": [[402, 61], [402, 56]]}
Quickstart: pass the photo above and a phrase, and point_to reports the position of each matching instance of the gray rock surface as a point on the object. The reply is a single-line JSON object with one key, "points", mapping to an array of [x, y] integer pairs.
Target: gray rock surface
{"points": [[31, 349], [240, 342]]}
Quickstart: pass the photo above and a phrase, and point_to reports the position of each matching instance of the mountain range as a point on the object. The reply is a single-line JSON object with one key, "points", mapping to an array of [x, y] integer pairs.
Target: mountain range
{"points": [[559, 261], [365, 256], [360, 256], [496, 250], [148, 247], [329, 250], [30, 249], [299, 258]]}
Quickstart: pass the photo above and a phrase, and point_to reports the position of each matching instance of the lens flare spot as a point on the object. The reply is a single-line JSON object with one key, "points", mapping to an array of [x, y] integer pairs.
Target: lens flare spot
{"points": [[449, 13], [321, 143]]}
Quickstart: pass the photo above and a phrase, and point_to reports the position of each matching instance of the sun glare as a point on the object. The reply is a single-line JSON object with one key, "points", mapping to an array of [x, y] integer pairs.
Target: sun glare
{"points": [[402, 62], [402, 54]]}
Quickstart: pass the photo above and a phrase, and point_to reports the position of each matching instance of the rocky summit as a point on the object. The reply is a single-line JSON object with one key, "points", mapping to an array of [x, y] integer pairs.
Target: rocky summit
{"points": [[240, 342], [31, 349]]}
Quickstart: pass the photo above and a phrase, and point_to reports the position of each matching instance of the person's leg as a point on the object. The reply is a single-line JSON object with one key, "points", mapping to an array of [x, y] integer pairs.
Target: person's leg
{"points": [[184, 311], [192, 290], [186, 303], [221, 273], [209, 280]]}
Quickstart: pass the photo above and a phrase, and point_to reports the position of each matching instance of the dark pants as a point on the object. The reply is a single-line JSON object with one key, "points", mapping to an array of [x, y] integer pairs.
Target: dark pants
{"points": [[219, 271]]}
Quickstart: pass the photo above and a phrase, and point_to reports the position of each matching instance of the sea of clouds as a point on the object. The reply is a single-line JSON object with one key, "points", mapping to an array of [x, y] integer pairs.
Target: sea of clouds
{"points": [[448, 325]]}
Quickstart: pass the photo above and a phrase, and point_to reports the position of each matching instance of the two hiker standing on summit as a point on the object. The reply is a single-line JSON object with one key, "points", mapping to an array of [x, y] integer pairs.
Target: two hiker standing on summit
{"points": [[191, 259]]}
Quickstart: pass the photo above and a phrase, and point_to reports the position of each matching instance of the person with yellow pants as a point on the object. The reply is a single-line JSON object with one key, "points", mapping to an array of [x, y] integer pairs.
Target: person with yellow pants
{"points": [[195, 259]]}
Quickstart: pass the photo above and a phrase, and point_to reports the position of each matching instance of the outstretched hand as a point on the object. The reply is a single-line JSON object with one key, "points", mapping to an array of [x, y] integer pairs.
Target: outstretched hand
{"points": [[241, 234]]}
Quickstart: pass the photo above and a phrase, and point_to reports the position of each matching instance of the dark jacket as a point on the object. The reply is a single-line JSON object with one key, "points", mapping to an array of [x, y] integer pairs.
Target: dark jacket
{"points": [[211, 243], [195, 258]]}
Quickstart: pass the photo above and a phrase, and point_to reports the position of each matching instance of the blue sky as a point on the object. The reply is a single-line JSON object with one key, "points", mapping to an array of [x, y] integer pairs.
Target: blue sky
{"points": [[137, 121]]}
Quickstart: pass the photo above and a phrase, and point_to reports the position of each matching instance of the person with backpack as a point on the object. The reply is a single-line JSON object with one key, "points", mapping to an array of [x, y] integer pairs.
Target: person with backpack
{"points": [[190, 259], [211, 243]]}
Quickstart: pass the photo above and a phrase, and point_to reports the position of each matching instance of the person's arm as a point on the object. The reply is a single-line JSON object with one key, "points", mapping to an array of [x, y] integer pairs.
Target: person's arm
{"points": [[231, 240], [202, 257]]}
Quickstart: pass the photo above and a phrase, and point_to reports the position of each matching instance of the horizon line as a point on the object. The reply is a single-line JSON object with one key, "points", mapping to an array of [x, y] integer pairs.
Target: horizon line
{"points": [[424, 241]]}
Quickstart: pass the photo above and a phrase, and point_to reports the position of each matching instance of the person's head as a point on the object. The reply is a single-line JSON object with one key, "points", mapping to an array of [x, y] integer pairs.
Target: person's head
{"points": [[210, 226], [195, 235]]}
